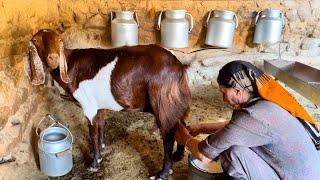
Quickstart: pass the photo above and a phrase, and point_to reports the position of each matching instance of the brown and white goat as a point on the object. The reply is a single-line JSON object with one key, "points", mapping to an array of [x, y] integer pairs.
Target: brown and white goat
{"points": [[144, 78]]}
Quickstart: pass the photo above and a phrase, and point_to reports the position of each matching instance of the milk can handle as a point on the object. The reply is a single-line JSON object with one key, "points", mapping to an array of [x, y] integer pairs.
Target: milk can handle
{"points": [[37, 129], [257, 17], [237, 22], [283, 22], [111, 15], [208, 18], [55, 122], [136, 17], [159, 20], [191, 21]]}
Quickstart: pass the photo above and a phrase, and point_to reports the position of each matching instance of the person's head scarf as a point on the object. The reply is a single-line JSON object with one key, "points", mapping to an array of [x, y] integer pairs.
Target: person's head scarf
{"points": [[246, 76]]}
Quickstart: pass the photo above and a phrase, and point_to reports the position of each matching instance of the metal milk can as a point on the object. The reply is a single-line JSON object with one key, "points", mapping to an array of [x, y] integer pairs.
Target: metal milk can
{"points": [[269, 26], [55, 148], [124, 28], [220, 28], [175, 28]]}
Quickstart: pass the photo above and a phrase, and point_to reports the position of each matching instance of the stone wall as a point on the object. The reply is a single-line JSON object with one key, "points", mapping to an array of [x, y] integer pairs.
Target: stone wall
{"points": [[86, 23]]}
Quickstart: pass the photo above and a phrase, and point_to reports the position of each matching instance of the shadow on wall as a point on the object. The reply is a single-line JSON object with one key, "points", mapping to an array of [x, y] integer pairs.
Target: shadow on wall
{"points": [[34, 145], [249, 38], [107, 32], [18, 46], [155, 26], [202, 35]]}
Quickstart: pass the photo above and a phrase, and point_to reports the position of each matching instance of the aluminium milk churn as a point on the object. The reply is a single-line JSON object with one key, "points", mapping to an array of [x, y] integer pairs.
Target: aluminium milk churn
{"points": [[175, 28], [269, 26], [55, 148], [124, 28], [221, 25]]}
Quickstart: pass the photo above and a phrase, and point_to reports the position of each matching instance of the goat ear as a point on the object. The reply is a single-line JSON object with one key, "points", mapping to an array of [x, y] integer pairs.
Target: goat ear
{"points": [[27, 63], [63, 65], [33, 65]]}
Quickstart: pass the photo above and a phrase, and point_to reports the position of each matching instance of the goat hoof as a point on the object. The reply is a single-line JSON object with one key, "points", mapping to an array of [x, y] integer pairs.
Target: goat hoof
{"points": [[103, 145], [162, 175], [99, 160], [156, 178], [93, 169]]}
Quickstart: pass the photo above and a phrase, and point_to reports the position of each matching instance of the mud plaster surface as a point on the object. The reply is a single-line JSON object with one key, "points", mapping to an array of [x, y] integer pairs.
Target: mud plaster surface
{"points": [[132, 151]]}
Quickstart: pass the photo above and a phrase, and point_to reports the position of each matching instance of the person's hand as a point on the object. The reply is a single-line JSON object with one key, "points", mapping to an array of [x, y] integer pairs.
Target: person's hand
{"points": [[194, 129], [192, 146], [182, 134]]}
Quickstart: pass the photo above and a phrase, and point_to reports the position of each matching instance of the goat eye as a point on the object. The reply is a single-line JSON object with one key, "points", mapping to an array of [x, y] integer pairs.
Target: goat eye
{"points": [[34, 40]]}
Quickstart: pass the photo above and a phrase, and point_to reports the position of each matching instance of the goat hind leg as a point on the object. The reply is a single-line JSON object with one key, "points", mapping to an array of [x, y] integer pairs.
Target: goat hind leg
{"points": [[179, 153], [168, 142], [102, 144]]}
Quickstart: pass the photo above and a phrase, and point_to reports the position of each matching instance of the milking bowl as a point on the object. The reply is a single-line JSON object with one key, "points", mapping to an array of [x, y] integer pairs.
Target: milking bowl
{"points": [[220, 28], [55, 150], [269, 26], [205, 171]]}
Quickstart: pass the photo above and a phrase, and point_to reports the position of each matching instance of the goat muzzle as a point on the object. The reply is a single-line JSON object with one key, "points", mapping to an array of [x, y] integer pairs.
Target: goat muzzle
{"points": [[53, 61]]}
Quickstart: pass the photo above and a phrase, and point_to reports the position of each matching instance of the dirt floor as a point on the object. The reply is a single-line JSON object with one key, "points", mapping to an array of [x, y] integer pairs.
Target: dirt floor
{"points": [[132, 152]]}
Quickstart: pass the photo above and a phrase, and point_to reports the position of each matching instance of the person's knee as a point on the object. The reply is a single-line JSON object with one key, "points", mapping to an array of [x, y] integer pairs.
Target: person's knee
{"points": [[232, 154], [230, 161], [236, 150]]}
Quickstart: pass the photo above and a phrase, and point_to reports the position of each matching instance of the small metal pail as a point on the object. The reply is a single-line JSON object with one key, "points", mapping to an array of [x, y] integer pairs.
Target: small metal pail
{"points": [[201, 171], [55, 149]]}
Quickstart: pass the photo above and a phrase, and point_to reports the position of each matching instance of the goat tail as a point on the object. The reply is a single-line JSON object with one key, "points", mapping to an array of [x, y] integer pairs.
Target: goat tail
{"points": [[186, 93], [171, 102]]}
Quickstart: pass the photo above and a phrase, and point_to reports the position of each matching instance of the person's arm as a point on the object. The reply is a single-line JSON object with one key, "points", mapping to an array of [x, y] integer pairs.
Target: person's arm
{"points": [[206, 128], [243, 130], [182, 136]]}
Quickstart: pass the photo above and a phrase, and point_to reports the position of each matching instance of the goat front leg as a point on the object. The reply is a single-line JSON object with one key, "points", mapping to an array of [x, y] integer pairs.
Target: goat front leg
{"points": [[102, 143], [168, 142], [94, 134]]}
